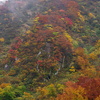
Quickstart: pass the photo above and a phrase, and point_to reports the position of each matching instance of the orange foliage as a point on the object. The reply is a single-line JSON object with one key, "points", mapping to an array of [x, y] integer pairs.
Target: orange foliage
{"points": [[81, 58], [79, 51], [85, 89], [93, 56], [72, 92], [3, 85], [81, 61]]}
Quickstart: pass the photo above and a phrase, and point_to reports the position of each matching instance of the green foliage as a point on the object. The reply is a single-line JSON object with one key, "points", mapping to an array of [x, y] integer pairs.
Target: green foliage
{"points": [[50, 91], [9, 92]]}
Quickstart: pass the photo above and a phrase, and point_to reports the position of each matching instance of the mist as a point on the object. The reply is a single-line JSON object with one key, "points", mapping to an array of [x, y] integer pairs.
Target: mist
{"points": [[3, 0], [14, 15]]}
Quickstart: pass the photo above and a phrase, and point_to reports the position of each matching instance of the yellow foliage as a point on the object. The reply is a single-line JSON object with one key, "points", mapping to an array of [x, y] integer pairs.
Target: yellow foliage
{"points": [[27, 95], [27, 44], [80, 27], [43, 92], [81, 17], [9, 87], [48, 25], [93, 56], [50, 28], [98, 43], [91, 15], [60, 87], [68, 36], [28, 32], [50, 91], [62, 18], [72, 69], [17, 61], [36, 19], [1, 91], [2, 39], [50, 10], [54, 63], [46, 12]]}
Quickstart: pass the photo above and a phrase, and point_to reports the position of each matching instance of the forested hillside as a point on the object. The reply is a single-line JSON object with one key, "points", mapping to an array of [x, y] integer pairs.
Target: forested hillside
{"points": [[50, 50]]}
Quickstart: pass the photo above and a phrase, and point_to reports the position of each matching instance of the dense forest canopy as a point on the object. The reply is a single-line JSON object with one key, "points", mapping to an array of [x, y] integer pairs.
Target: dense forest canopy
{"points": [[49, 50]]}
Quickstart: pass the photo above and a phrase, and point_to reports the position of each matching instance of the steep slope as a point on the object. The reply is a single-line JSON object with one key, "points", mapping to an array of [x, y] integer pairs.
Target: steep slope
{"points": [[59, 43]]}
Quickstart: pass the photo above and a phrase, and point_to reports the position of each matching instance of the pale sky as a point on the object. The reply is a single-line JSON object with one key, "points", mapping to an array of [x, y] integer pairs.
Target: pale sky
{"points": [[3, 0]]}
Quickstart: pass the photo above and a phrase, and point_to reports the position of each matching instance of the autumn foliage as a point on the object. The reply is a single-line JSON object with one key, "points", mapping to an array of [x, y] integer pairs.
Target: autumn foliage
{"points": [[85, 89], [52, 52]]}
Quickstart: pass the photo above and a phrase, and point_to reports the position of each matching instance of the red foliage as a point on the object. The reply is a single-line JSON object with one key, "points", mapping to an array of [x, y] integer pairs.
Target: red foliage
{"points": [[61, 10], [69, 21], [43, 19], [56, 19], [72, 4], [17, 43], [13, 51], [91, 85], [39, 61], [63, 43]]}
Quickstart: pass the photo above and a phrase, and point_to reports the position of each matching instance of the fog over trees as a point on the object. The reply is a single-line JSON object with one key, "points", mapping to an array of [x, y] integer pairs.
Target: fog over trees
{"points": [[49, 49]]}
